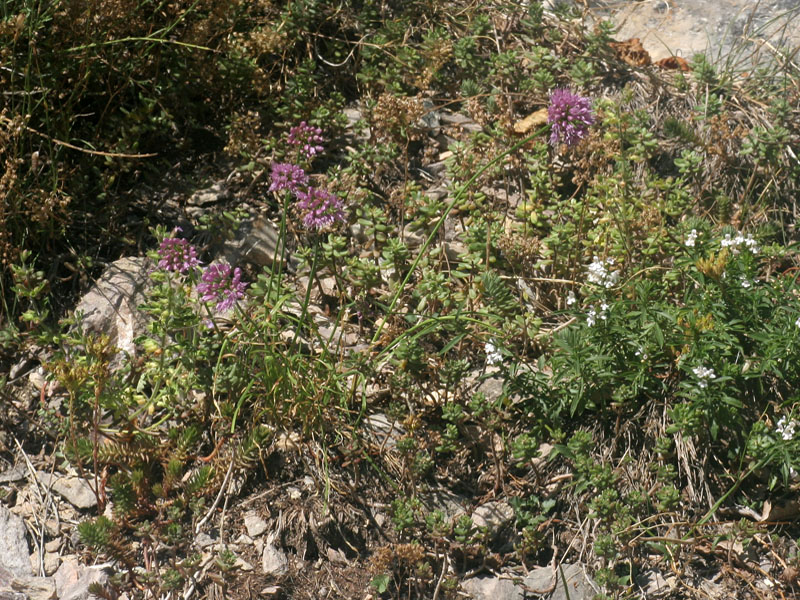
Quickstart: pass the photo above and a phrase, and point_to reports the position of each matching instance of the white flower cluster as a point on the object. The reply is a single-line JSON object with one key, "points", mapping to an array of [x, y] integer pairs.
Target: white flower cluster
{"points": [[734, 243], [705, 375], [692, 238], [797, 322], [493, 356], [572, 300], [786, 428], [593, 314], [747, 283], [599, 272]]}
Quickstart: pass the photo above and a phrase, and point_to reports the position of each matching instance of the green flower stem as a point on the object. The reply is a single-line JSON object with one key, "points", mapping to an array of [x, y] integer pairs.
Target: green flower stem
{"points": [[280, 249], [311, 275]]}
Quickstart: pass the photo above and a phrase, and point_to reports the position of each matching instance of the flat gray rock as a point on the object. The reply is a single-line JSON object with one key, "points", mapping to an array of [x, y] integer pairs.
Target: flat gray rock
{"points": [[713, 27], [578, 585], [14, 587], [274, 561], [111, 306], [254, 524], [494, 515], [73, 580], [257, 242], [74, 490], [14, 553]]}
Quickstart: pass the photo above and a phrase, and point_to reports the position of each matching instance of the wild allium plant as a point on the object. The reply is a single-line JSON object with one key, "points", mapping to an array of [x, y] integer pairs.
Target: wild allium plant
{"points": [[177, 255], [306, 139], [569, 116], [221, 284], [287, 176], [319, 208]]}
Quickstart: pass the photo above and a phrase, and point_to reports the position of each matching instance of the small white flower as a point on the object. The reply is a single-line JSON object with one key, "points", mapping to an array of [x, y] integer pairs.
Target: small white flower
{"points": [[786, 428], [592, 315], [691, 238], [704, 375], [797, 322], [571, 298], [734, 243], [493, 357], [751, 244], [641, 354], [746, 283], [598, 272]]}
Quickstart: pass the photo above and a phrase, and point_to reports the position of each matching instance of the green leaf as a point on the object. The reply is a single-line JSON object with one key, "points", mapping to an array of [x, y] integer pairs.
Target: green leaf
{"points": [[380, 583]]}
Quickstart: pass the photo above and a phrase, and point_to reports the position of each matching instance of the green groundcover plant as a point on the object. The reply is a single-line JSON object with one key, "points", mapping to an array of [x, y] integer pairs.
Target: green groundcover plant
{"points": [[593, 314]]}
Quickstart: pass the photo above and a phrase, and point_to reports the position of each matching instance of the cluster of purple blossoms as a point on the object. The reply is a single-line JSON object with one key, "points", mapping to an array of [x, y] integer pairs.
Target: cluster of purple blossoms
{"points": [[308, 138], [569, 116], [319, 208], [222, 285], [177, 255], [286, 176]]}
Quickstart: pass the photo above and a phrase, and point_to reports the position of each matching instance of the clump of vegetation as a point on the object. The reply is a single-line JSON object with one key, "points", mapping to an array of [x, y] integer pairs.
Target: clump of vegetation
{"points": [[572, 285]]}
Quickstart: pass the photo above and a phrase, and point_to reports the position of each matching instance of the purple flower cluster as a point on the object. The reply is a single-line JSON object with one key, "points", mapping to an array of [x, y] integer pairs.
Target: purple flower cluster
{"points": [[175, 254], [569, 116], [308, 138], [222, 285], [319, 208], [286, 176]]}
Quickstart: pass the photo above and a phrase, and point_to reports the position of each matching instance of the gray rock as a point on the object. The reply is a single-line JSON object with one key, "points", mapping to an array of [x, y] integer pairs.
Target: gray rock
{"points": [[20, 368], [111, 306], [494, 516], [51, 562], [412, 237], [383, 431], [654, 584], [73, 580], [74, 490], [16, 473], [578, 585], [491, 588], [358, 231], [242, 565], [459, 121], [14, 587], [254, 524], [274, 561], [337, 336], [451, 505], [14, 554], [455, 250], [257, 243], [203, 540], [492, 388], [436, 192], [212, 195]]}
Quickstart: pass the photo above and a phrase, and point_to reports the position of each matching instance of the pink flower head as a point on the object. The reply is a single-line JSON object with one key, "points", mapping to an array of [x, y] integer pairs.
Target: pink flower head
{"points": [[286, 176], [308, 138], [222, 285], [176, 254], [569, 116], [319, 208]]}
